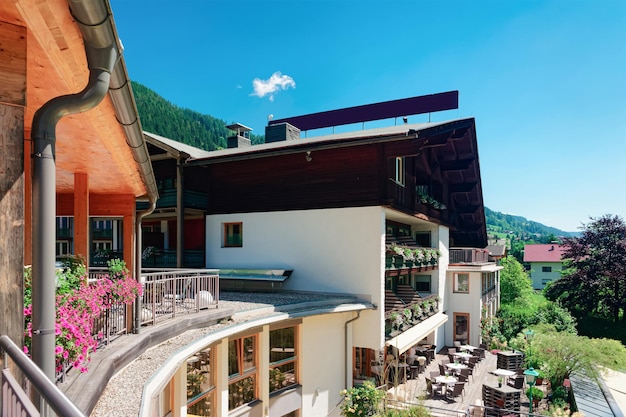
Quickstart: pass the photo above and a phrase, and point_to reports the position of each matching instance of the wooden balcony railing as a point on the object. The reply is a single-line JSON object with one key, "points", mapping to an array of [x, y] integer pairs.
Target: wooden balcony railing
{"points": [[468, 256], [401, 319]]}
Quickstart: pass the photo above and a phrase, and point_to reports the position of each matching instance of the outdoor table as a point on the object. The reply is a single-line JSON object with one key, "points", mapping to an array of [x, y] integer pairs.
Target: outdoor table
{"points": [[503, 373], [456, 367], [446, 380], [463, 355], [468, 348]]}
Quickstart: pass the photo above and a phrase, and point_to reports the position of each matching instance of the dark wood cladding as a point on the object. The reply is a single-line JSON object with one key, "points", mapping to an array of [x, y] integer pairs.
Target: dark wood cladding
{"points": [[332, 178]]}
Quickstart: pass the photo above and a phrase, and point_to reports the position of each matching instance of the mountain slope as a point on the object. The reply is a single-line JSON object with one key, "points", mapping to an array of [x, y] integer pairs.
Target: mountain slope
{"points": [[163, 118]]}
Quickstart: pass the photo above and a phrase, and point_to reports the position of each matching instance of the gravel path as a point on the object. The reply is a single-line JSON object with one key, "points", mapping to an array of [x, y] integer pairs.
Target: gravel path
{"points": [[122, 395]]}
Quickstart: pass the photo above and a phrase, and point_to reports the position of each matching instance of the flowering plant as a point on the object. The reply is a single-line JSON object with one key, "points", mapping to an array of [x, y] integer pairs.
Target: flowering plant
{"points": [[361, 401], [77, 305]]}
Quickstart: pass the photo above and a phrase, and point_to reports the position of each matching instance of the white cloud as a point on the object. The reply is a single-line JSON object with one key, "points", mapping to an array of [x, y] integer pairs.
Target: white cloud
{"points": [[272, 85]]}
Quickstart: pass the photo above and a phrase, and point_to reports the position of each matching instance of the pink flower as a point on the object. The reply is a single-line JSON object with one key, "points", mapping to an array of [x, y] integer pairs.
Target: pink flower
{"points": [[58, 350], [25, 349]]}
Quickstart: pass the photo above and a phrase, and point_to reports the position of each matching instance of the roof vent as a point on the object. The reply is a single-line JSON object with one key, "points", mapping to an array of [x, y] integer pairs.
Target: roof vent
{"points": [[241, 138], [281, 132]]}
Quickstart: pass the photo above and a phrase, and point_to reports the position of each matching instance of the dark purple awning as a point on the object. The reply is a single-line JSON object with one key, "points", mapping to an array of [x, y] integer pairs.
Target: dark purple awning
{"points": [[377, 111]]}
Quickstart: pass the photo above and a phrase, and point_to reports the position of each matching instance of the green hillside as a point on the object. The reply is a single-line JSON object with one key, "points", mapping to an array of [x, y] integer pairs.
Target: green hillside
{"points": [[163, 118]]}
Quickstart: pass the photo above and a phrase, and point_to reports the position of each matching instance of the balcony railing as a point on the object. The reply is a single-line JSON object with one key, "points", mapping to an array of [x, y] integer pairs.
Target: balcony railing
{"points": [[400, 320], [167, 259], [167, 199], [468, 256], [168, 293]]}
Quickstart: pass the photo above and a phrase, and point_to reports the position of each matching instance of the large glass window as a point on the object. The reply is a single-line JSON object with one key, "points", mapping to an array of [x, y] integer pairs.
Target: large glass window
{"points": [[233, 235], [283, 358], [242, 371], [200, 384], [461, 283]]}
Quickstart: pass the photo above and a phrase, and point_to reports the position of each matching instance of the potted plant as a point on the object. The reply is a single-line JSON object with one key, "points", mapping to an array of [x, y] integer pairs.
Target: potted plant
{"points": [[537, 395], [540, 377]]}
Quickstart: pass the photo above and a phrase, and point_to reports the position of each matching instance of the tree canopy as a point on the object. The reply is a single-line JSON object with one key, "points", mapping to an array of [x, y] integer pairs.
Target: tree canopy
{"points": [[514, 281], [594, 282]]}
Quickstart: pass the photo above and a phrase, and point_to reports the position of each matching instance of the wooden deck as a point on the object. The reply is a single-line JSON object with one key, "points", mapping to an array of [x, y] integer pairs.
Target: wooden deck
{"points": [[414, 390]]}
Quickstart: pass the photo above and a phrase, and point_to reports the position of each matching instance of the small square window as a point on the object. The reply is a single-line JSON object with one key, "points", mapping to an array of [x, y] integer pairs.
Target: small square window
{"points": [[461, 283], [233, 235], [546, 269]]}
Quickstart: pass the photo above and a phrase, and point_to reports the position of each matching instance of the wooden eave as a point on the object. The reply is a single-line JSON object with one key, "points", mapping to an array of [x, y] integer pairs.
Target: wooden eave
{"points": [[93, 142]]}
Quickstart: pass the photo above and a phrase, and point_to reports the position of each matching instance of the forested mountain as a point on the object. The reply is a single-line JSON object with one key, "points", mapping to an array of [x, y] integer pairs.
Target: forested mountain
{"points": [[163, 118], [520, 226]]}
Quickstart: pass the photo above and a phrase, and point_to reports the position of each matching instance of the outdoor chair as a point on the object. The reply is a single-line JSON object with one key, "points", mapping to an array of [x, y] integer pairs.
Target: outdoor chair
{"points": [[451, 357], [442, 369], [451, 351], [432, 388], [421, 360], [434, 374], [453, 391], [480, 352], [467, 372], [473, 361], [445, 360]]}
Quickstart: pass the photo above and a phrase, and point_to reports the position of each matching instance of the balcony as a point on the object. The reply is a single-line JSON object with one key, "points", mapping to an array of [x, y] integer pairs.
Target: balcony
{"points": [[401, 316], [468, 256], [167, 259], [410, 259], [167, 199]]}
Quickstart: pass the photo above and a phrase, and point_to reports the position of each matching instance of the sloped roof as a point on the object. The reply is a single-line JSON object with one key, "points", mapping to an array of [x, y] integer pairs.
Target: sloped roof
{"points": [[543, 253], [496, 250], [174, 148]]}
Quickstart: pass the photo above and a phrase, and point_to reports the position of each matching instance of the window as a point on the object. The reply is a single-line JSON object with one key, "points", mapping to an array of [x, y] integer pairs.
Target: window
{"points": [[242, 371], [546, 269], [400, 170], [422, 283], [63, 248], [200, 384], [283, 358], [461, 283], [423, 239], [488, 282], [233, 235]]}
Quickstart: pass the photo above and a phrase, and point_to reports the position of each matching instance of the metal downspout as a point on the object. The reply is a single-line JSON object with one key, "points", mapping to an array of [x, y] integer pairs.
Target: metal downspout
{"points": [[345, 333], [138, 252], [102, 54]]}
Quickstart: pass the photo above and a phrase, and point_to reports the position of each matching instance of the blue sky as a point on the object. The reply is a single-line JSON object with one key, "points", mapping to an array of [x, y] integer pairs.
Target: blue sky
{"points": [[545, 80]]}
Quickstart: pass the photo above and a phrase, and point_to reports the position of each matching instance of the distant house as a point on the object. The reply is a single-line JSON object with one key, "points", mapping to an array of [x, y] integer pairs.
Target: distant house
{"points": [[545, 263]]}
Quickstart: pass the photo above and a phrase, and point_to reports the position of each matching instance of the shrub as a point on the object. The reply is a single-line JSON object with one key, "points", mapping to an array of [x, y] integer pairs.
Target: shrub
{"points": [[362, 401]]}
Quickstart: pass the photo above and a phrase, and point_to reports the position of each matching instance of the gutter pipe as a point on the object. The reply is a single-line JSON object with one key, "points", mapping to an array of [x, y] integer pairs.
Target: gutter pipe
{"points": [[345, 335], [103, 50]]}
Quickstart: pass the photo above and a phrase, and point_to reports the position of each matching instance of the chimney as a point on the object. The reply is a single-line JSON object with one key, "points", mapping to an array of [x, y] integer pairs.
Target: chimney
{"points": [[281, 132], [241, 138]]}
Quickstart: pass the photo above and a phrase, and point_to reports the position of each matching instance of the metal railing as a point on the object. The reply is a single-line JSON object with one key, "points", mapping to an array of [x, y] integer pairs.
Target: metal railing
{"points": [[15, 401], [171, 292]]}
